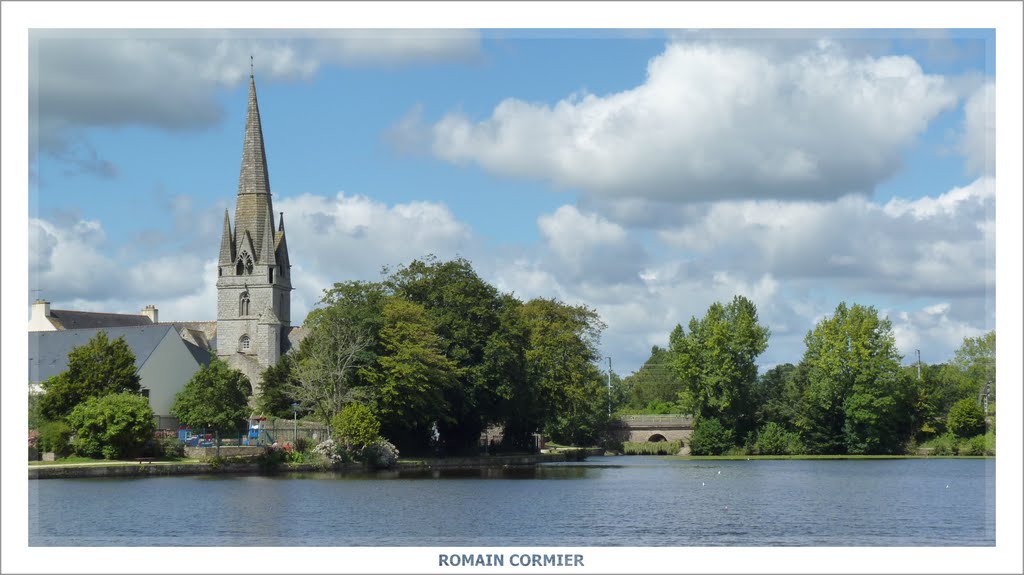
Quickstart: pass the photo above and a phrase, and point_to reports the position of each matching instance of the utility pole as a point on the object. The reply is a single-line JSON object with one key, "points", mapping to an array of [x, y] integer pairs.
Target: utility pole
{"points": [[609, 386], [918, 365]]}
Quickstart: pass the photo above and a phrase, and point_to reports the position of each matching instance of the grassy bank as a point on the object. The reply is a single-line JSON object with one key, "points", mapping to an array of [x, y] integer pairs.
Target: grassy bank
{"points": [[817, 457]]}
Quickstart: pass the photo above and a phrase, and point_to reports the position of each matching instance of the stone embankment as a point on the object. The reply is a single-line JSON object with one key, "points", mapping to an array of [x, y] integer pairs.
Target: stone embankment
{"points": [[157, 469]]}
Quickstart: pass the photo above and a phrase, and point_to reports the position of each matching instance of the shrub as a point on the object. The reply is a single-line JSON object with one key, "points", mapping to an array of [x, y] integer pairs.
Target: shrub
{"points": [[302, 444], [651, 447], [973, 446], [990, 443], [164, 447], [381, 454], [944, 444], [55, 436], [272, 457], [773, 439], [356, 425], [112, 426], [329, 451], [966, 418], [710, 438]]}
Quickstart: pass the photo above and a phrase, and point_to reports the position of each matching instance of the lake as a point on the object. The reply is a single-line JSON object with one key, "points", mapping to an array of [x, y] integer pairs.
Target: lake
{"points": [[603, 501]]}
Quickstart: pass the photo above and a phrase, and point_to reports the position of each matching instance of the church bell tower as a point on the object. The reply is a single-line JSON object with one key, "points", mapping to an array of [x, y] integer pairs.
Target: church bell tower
{"points": [[253, 272]]}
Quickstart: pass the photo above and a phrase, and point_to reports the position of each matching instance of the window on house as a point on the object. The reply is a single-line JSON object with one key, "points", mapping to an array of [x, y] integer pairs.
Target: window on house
{"points": [[244, 343]]}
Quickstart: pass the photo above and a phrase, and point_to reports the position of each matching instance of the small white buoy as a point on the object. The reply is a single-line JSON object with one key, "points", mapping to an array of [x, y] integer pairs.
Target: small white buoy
{"points": [[719, 472], [947, 487], [702, 484]]}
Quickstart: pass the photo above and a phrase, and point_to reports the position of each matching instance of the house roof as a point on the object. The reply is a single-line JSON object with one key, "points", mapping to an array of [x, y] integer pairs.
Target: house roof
{"points": [[48, 350], [69, 319]]}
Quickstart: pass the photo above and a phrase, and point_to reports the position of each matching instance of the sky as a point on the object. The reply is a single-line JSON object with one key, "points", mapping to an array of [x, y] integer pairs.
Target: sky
{"points": [[646, 174]]}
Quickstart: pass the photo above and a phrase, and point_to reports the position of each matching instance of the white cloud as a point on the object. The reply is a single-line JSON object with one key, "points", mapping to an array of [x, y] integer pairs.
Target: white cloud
{"points": [[932, 330], [589, 246], [715, 121], [978, 140], [170, 78], [929, 246], [351, 237]]}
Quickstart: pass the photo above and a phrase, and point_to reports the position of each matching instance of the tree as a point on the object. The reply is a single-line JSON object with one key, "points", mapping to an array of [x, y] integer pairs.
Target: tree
{"points": [[710, 437], [215, 398], [966, 418], [356, 425], [857, 400], [464, 310], [976, 360], [112, 426], [415, 375], [776, 395], [561, 364], [325, 366], [716, 363], [655, 387], [100, 367], [276, 393]]}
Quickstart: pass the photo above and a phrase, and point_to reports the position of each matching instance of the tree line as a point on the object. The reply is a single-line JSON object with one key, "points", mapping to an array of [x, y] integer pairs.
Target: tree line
{"points": [[849, 394], [438, 355]]}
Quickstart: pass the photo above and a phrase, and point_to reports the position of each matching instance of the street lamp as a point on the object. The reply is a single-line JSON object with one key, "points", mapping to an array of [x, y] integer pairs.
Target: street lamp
{"points": [[295, 422]]}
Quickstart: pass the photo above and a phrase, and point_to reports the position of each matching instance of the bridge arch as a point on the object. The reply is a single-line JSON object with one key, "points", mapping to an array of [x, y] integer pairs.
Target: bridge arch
{"points": [[656, 438]]}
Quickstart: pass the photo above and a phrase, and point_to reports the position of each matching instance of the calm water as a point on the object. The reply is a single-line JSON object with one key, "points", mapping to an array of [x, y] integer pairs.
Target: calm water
{"points": [[632, 501]]}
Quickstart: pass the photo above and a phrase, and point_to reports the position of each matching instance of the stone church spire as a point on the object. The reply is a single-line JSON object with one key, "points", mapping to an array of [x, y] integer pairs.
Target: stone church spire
{"points": [[227, 243], [254, 206]]}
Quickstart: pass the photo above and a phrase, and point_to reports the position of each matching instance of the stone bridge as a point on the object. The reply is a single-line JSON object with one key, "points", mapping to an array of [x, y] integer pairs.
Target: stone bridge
{"points": [[673, 427]]}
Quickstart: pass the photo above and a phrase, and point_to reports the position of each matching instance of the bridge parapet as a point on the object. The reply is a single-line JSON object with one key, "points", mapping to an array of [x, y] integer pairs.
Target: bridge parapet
{"points": [[675, 421]]}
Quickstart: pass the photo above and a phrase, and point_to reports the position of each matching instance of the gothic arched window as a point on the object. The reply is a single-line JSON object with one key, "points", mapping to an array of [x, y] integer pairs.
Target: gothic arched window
{"points": [[243, 303], [244, 263], [243, 343]]}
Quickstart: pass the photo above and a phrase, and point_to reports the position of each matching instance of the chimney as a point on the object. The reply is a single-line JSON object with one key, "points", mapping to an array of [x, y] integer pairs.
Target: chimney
{"points": [[40, 309], [150, 311]]}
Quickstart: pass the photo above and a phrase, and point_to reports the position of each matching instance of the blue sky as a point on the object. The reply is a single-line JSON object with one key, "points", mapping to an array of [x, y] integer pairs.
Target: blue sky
{"points": [[646, 173]]}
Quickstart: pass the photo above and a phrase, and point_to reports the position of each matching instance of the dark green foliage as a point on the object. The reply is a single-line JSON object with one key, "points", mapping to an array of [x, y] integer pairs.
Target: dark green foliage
{"points": [[35, 411], [55, 436], [112, 426], [945, 444], [276, 393], [651, 447], [100, 367], [164, 447], [976, 360], [974, 446], [966, 419], [716, 362], [710, 437], [216, 398], [356, 426]]}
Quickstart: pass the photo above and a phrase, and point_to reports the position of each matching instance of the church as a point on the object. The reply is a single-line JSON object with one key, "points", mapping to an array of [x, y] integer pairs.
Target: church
{"points": [[254, 284]]}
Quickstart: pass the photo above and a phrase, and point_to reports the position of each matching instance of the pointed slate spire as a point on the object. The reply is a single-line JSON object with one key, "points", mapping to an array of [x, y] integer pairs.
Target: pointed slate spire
{"points": [[253, 206], [280, 226], [227, 244]]}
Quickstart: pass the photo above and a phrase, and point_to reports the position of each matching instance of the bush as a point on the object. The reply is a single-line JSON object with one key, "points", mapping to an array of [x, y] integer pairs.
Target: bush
{"points": [[990, 443], [302, 444], [974, 446], [272, 457], [966, 419], [651, 447], [329, 451], [356, 425], [710, 438], [773, 439], [112, 426], [944, 445], [164, 447], [54, 436], [380, 454]]}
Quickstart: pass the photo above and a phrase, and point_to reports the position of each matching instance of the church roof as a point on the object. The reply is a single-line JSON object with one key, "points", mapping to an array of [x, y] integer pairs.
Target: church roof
{"points": [[64, 319], [253, 208]]}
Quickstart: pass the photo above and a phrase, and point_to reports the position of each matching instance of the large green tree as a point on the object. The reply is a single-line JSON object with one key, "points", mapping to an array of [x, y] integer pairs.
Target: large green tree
{"points": [[216, 398], [464, 310], [277, 392], [326, 366], [857, 399], [976, 360], [716, 362], [562, 360], [100, 367], [655, 387], [414, 376]]}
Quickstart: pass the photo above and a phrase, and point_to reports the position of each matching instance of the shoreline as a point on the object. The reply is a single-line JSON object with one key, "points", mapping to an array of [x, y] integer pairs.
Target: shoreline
{"points": [[169, 468]]}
